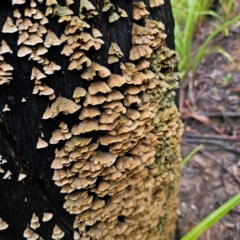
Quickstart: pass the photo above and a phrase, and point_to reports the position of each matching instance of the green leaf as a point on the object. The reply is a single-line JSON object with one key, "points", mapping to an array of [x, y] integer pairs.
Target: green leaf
{"points": [[191, 154]]}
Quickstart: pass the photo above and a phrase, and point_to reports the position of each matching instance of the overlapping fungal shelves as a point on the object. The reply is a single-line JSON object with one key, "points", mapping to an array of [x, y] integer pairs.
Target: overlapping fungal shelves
{"points": [[92, 131]]}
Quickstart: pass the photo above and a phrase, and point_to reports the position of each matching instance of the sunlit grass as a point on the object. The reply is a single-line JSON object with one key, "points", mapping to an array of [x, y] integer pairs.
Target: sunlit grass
{"points": [[189, 15]]}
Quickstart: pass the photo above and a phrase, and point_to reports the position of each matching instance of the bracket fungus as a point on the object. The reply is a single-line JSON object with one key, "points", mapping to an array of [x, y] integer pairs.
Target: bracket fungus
{"points": [[89, 112], [9, 26], [107, 6], [116, 80], [21, 176], [33, 4], [34, 221], [69, 2], [30, 234], [90, 10], [47, 217], [37, 74], [78, 93], [61, 11], [63, 105], [32, 40], [51, 67], [113, 17], [41, 143], [155, 3], [7, 175], [60, 134], [24, 51], [18, 2], [139, 10], [5, 48], [3, 225], [121, 171], [51, 40], [6, 108], [98, 86], [139, 51], [51, 2], [115, 53], [122, 12], [96, 33], [5, 74]]}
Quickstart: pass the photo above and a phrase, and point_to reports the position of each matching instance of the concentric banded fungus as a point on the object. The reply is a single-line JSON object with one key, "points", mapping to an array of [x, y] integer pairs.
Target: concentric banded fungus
{"points": [[139, 51], [123, 170], [139, 10], [89, 112], [98, 86], [60, 134], [3, 225], [116, 80], [61, 105]]}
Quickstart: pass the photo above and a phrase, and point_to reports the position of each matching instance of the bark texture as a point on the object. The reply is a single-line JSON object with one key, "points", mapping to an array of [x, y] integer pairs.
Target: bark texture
{"points": [[125, 189]]}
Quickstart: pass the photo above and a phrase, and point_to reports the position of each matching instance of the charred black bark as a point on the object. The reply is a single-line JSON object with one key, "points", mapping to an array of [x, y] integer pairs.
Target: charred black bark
{"points": [[21, 127]]}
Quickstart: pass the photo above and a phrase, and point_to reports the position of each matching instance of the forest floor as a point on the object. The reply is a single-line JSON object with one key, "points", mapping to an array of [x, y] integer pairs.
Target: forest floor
{"points": [[210, 108]]}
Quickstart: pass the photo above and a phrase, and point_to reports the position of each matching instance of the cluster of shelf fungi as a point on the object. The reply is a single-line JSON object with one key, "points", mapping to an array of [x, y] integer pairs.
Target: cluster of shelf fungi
{"points": [[137, 156]]}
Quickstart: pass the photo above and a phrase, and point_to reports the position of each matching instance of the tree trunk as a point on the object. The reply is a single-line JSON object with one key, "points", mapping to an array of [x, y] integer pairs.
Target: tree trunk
{"points": [[104, 163]]}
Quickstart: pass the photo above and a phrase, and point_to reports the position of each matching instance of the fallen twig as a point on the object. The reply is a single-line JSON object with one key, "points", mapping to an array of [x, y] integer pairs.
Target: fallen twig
{"points": [[210, 141], [210, 136], [222, 166], [219, 114]]}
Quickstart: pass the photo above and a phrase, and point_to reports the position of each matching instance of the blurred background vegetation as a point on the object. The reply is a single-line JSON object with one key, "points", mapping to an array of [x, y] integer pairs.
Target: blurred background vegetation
{"points": [[214, 18], [190, 16]]}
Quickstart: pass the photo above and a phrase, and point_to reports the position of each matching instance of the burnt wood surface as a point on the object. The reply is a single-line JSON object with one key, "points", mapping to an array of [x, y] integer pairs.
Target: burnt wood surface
{"points": [[21, 127]]}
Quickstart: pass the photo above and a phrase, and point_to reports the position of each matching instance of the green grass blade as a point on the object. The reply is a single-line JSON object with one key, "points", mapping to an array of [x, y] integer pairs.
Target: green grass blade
{"points": [[224, 53], [211, 13], [216, 31], [191, 154], [212, 218]]}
